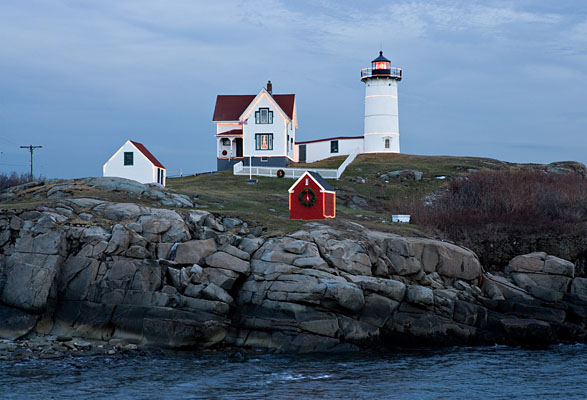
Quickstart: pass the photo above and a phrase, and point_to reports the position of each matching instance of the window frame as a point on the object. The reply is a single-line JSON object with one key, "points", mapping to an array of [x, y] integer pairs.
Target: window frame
{"points": [[259, 141], [126, 156], [258, 115], [333, 146]]}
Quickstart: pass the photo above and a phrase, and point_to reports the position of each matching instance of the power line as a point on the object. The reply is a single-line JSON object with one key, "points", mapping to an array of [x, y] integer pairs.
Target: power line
{"points": [[31, 149], [7, 140], [14, 165]]}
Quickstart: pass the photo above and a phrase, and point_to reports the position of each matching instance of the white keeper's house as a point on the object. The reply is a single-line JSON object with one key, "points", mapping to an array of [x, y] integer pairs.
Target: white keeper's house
{"points": [[134, 161], [262, 127]]}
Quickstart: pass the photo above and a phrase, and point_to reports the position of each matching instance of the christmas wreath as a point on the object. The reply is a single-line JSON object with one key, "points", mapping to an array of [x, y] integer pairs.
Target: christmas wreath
{"points": [[224, 152], [307, 197], [280, 173]]}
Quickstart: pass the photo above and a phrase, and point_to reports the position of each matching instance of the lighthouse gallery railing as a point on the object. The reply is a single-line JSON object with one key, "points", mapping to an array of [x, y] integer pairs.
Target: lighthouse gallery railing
{"points": [[394, 72]]}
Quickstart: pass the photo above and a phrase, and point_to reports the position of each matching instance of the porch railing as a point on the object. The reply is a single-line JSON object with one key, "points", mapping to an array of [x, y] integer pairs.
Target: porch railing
{"points": [[294, 173]]}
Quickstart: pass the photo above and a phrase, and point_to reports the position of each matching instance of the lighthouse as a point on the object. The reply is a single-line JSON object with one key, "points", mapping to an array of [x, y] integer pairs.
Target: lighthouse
{"points": [[381, 134]]}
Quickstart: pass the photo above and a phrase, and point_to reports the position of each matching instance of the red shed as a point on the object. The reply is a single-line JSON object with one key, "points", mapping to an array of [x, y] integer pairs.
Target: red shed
{"points": [[311, 197]]}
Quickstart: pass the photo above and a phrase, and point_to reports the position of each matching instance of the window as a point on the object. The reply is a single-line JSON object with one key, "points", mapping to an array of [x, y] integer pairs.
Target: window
{"points": [[128, 158], [226, 142], [334, 146], [387, 143], [264, 159], [381, 65], [264, 141], [263, 116]]}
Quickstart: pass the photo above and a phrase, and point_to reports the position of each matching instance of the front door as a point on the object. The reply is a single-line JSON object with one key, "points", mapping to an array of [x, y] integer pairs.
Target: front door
{"points": [[302, 154], [239, 147]]}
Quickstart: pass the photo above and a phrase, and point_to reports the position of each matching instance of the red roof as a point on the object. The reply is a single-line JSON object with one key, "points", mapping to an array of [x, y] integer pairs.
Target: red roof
{"points": [[231, 107], [332, 138], [147, 154], [232, 132], [286, 102]]}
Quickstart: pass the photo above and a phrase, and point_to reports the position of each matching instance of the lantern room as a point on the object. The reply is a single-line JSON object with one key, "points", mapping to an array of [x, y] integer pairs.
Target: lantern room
{"points": [[381, 65]]}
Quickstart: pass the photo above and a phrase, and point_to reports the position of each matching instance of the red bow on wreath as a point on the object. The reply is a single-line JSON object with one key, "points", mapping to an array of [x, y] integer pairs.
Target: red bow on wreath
{"points": [[307, 197]]}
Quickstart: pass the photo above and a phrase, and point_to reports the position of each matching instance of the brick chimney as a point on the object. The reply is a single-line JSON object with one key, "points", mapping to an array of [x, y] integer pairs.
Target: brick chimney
{"points": [[269, 87]]}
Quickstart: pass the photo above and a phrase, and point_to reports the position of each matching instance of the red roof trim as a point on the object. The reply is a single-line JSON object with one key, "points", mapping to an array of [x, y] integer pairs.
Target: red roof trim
{"points": [[333, 138], [232, 132], [147, 154]]}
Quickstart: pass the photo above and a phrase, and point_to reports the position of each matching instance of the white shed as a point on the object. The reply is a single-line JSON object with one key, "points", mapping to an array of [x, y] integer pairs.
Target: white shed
{"points": [[134, 161], [401, 218]]}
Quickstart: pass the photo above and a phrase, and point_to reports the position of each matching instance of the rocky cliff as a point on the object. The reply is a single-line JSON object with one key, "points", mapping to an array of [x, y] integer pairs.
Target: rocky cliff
{"points": [[187, 278]]}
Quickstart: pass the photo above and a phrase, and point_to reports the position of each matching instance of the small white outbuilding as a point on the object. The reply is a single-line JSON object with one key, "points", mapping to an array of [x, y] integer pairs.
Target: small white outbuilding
{"points": [[401, 218], [134, 161]]}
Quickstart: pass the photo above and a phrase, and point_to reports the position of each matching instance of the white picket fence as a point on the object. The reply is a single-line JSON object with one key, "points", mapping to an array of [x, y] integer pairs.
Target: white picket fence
{"points": [[294, 173]]}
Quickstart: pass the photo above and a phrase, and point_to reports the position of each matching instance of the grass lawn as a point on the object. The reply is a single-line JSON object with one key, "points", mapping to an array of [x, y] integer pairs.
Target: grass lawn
{"points": [[267, 202], [332, 162]]}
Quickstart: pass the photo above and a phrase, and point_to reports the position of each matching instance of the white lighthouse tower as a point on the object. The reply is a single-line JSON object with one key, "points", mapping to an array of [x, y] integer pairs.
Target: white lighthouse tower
{"points": [[381, 133]]}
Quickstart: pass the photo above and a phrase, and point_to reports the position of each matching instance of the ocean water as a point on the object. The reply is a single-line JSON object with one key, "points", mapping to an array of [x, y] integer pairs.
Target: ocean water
{"points": [[559, 372]]}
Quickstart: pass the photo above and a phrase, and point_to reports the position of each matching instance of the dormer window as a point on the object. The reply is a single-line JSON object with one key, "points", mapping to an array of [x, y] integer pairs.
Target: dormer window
{"points": [[263, 116]]}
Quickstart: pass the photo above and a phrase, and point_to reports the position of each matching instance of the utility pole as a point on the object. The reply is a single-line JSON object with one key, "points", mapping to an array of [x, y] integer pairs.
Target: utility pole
{"points": [[31, 149]]}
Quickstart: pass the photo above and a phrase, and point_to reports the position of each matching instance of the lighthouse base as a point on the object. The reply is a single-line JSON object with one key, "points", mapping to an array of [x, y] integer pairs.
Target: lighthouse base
{"points": [[381, 143]]}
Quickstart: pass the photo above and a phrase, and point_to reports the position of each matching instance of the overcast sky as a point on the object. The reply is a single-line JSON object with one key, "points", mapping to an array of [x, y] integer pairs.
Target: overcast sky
{"points": [[501, 79]]}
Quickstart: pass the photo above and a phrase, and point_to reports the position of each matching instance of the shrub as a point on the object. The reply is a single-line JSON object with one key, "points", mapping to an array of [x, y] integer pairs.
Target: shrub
{"points": [[14, 179], [523, 197]]}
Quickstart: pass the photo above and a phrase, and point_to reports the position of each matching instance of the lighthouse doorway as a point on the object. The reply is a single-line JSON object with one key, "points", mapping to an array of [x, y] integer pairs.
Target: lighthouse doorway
{"points": [[302, 155]]}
